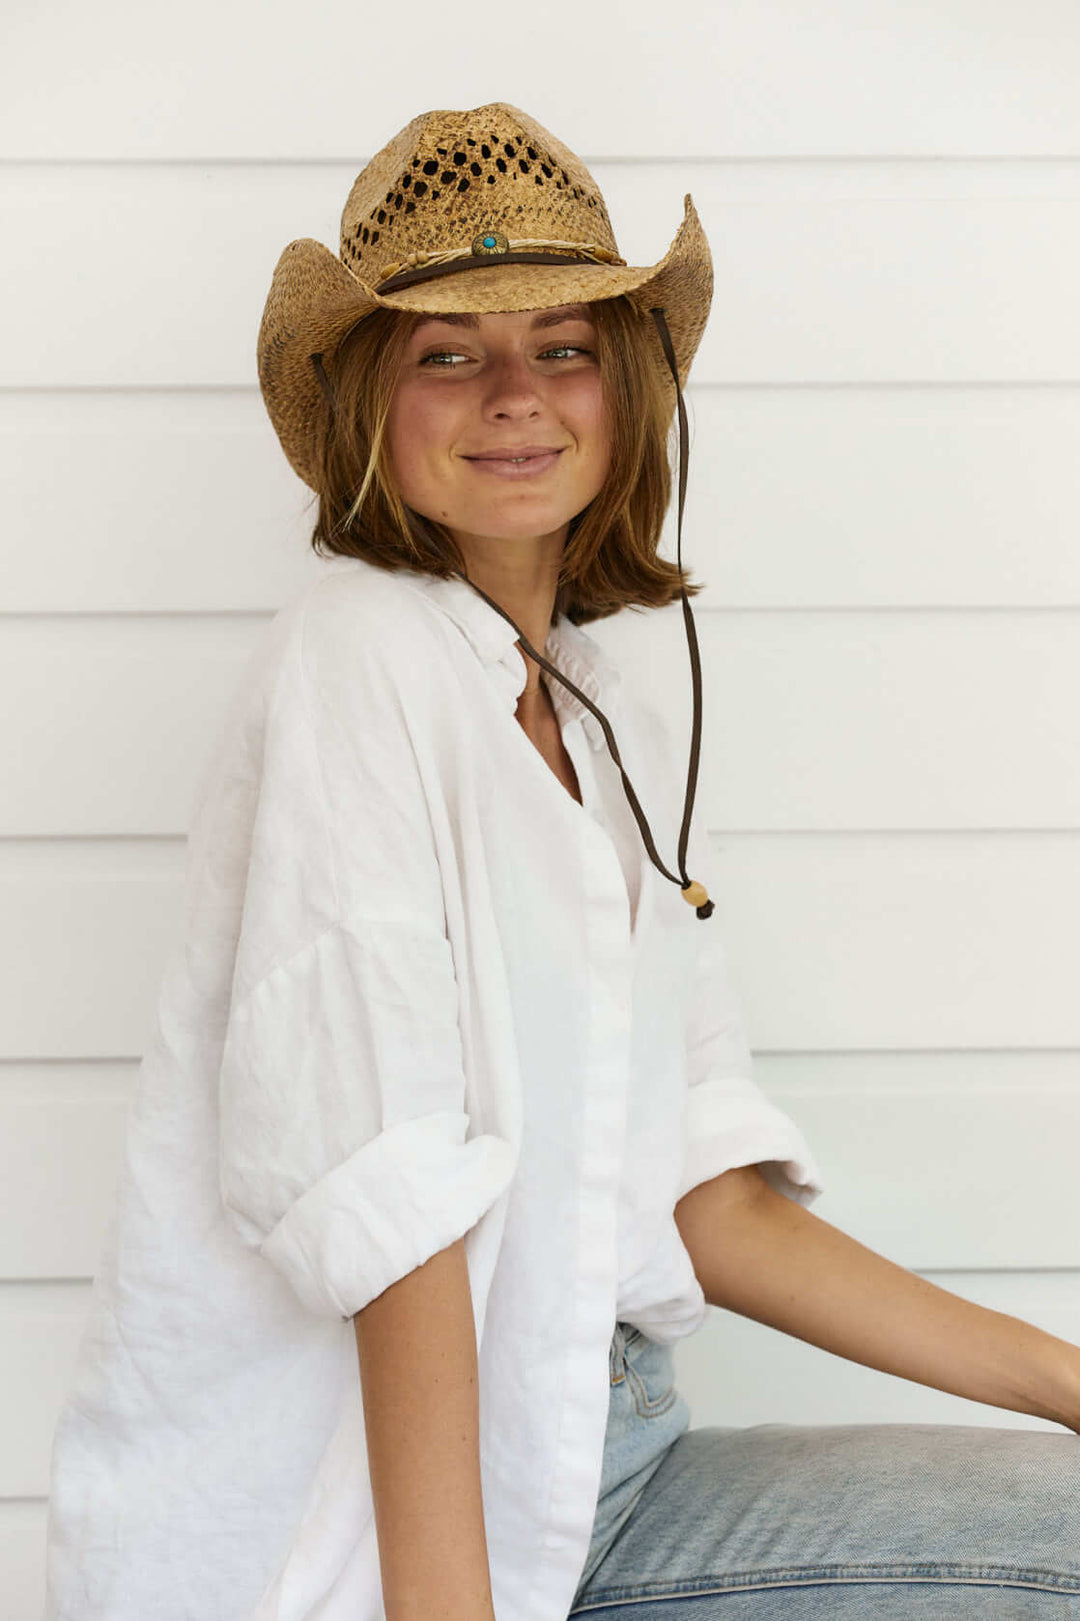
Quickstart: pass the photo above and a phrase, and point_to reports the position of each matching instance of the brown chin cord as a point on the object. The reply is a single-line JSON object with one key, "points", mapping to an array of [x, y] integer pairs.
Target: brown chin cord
{"points": [[692, 891]]}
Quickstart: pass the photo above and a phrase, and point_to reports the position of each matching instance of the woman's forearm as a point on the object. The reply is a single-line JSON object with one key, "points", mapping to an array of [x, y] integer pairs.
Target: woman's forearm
{"points": [[416, 1344], [757, 1253]]}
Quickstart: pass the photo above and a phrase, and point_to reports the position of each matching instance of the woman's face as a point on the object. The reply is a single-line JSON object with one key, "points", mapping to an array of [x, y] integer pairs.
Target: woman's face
{"points": [[476, 390]]}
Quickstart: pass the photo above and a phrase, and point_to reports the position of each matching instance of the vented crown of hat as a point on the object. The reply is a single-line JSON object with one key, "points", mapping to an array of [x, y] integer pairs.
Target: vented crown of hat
{"points": [[451, 176]]}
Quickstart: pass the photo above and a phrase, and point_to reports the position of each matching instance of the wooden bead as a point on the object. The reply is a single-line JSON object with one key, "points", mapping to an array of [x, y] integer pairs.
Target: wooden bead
{"points": [[695, 893]]}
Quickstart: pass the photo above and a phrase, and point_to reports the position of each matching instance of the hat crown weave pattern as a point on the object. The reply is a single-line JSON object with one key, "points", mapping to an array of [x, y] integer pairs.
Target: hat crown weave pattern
{"points": [[450, 177]]}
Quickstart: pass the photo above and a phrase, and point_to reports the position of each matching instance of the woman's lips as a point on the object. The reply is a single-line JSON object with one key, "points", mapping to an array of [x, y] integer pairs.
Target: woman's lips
{"points": [[504, 468]]}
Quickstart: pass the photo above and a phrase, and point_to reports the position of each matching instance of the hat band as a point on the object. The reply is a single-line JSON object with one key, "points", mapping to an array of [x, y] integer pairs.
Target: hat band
{"points": [[465, 260]]}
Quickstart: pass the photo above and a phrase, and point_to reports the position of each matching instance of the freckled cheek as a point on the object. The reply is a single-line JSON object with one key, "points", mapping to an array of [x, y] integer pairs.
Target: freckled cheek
{"points": [[596, 444], [421, 442], [584, 413]]}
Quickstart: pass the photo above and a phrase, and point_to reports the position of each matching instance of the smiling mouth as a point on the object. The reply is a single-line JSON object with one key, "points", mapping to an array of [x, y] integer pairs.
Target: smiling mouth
{"points": [[524, 456], [529, 464]]}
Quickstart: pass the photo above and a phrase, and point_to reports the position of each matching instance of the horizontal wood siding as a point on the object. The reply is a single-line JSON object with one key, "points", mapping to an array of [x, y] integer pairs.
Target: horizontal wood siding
{"points": [[883, 502]]}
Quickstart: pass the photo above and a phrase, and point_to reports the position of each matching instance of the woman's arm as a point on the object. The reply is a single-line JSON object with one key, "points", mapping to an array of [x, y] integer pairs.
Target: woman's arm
{"points": [[761, 1255], [418, 1372]]}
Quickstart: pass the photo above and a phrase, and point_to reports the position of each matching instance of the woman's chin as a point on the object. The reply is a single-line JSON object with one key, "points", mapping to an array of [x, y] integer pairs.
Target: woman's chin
{"points": [[510, 527]]}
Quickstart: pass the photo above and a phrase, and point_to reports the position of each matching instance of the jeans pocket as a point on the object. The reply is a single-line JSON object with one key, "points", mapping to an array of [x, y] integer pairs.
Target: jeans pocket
{"points": [[650, 1373]]}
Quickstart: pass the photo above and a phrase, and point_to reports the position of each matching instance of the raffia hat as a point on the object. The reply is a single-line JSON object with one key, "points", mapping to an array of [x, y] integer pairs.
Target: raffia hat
{"points": [[473, 212]]}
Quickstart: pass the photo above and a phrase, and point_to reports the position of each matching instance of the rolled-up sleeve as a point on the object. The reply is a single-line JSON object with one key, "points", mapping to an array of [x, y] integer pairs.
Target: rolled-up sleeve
{"points": [[345, 1155], [388, 1208], [729, 1120]]}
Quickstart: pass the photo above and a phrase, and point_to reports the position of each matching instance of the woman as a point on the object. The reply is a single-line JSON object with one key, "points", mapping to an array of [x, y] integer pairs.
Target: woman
{"points": [[444, 1056]]}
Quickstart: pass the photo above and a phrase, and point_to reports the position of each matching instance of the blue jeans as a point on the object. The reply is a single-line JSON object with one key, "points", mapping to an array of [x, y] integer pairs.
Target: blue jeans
{"points": [[779, 1522]]}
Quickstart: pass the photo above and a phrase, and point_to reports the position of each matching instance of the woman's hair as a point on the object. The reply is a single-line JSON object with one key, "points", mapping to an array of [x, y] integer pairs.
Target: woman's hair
{"points": [[610, 560]]}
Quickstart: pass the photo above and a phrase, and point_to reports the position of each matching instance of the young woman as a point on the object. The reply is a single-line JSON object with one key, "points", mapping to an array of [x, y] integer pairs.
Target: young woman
{"points": [[449, 1131]]}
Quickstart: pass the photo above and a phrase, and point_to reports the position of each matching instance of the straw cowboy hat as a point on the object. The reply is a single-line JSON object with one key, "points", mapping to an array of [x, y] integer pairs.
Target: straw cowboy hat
{"points": [[473, 211]]}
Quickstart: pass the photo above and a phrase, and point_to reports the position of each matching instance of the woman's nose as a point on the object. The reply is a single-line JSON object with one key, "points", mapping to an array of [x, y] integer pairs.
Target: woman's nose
{"points": [[511, 385]]}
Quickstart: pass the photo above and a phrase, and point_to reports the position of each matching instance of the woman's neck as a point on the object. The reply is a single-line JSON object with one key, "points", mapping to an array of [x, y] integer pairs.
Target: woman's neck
{"points": [[523, 578]]}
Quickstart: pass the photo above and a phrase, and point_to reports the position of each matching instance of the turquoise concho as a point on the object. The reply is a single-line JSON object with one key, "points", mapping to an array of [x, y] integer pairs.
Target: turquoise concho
{"points": [[490, 242]]}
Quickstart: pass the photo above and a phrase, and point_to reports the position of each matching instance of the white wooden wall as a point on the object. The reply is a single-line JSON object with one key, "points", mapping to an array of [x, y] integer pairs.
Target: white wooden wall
{"points": [[884, 501]]}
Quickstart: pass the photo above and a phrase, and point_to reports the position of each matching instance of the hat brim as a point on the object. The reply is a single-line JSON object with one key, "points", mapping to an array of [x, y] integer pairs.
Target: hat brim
{"points": [[314, 300]]}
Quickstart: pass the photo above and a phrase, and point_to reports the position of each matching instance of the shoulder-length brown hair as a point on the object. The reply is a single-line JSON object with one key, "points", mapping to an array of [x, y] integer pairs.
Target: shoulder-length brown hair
{"points": [[610, 559]]}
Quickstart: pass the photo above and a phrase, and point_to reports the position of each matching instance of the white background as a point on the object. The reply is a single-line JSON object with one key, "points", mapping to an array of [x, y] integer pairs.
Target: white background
{"points": [[884, 500]]}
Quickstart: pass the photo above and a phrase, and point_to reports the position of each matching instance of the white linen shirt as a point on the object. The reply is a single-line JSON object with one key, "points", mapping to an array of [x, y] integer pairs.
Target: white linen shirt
{"points": [[420, 993]]}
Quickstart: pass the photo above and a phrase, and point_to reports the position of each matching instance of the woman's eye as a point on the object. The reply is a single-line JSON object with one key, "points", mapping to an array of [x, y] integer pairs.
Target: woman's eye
{"points": [[568, 349], [442, 354]]}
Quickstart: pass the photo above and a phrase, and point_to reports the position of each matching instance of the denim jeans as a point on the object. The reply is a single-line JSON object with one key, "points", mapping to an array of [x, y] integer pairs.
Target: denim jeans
{"points": [[779, 1522]]}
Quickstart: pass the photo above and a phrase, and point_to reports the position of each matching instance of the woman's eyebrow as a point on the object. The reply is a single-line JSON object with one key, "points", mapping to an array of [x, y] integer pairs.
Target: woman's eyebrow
{"points": [[568, 312]]}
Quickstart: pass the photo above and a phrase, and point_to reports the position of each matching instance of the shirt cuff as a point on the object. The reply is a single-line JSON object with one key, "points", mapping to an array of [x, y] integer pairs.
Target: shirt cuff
{"points": [[408, 1193], [728, 1123]]}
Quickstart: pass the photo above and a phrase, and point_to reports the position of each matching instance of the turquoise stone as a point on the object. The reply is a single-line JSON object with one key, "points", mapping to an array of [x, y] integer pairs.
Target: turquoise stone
{"points": [[489, 241]]}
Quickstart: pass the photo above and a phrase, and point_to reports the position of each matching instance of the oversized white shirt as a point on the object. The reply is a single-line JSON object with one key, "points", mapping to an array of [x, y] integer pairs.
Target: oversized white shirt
{"points": [[420, 993]]}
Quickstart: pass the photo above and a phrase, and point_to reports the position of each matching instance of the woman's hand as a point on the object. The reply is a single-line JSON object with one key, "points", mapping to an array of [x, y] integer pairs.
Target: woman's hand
{"points": [[760, 1254]]}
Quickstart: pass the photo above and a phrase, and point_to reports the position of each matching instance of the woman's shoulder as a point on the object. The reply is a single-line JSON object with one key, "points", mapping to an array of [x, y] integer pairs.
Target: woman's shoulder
{"points": [[362, 606], [346, 642], [355, 625]]}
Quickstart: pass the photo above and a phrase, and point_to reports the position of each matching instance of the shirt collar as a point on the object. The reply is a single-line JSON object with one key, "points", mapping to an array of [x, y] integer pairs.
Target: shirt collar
{"points": [[494, 640]]}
